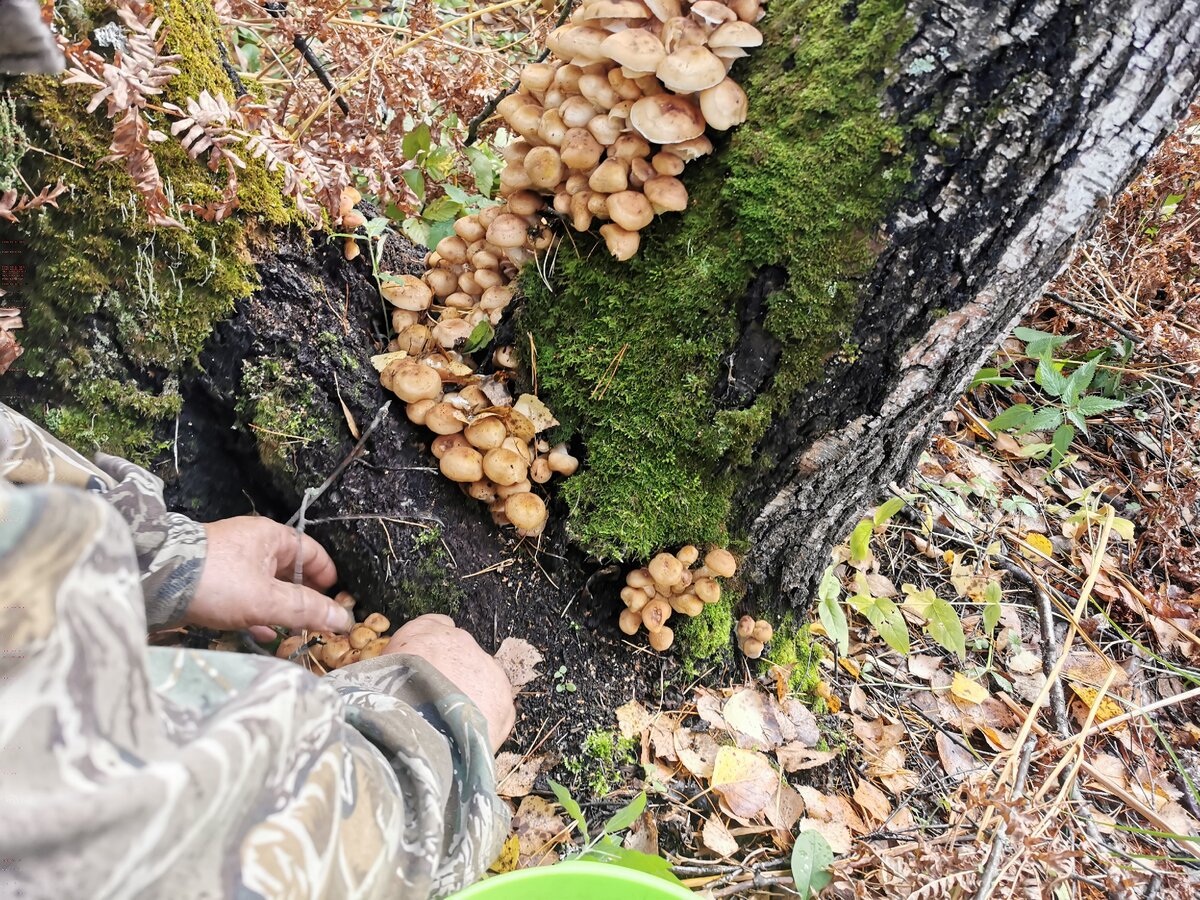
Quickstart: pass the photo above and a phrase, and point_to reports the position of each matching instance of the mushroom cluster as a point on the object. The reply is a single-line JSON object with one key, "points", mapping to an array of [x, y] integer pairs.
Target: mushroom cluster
{"points": [[490, 449], [366, 640], [351, 219], [752, 634], [669, 585], [609, 123]]}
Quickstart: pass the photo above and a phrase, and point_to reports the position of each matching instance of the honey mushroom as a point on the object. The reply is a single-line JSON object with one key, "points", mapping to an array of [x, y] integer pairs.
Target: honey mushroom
{"points": [[752, 635], [669, 584], [602, 130]]}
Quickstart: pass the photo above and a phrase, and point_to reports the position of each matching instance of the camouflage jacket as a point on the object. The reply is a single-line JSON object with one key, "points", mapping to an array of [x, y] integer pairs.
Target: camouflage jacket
{"points": [[129, 770]]}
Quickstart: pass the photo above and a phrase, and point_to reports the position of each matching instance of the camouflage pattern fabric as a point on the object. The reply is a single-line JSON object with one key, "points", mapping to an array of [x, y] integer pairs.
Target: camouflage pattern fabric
{"points": [[136, 771]]}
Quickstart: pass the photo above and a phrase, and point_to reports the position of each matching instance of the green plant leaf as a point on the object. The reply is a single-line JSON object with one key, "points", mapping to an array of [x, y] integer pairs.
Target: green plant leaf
{"points": [[484, 168], [567, 802], [1013, 417], [1040, 343], [416, 141], [811, 857], [889, 508], [415, 179], [1077, 420], [886, 618], [481, 336], [991, 606], [945, 627], [830, 611], [993, 377], [1043, 420], [1081, 380], [1093, 405], [439, 162], [612, 853], [626, 815], [443, 209], [1051, 379], [860, 544], [1063, 436]]}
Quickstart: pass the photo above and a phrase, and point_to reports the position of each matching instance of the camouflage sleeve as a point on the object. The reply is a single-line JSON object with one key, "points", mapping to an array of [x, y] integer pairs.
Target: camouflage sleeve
{"points": [[165, 772], [170, 547]]}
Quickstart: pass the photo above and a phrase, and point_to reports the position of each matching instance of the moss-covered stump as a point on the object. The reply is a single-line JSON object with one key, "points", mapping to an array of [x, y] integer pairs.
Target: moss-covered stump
{"points": [[116, 310]]}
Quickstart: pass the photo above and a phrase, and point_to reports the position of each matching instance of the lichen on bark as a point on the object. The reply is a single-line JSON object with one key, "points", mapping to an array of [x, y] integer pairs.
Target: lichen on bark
{"points": [[629, 355]]}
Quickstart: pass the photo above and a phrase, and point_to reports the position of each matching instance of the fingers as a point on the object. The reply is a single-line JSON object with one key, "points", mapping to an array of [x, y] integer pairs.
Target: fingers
{"points": [[317, 567], [263, 633], [298, 606]]}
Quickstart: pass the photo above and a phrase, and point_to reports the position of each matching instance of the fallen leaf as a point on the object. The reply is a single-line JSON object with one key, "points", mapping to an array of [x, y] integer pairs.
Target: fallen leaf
{"points": [[1024, 662], [350, 422], [510, 855], [796, 757], [923, 667], [539, 827], [716, 837], [872, 801], [632, 719], [837, 834], [518, 658], [381, 361], [515, 774], [745, 782], [968, 689], [536, 411], [496, 391], [785, 808], [696, 750], [751, 720], [1038, 542], [807, 731], [1108, 707], [642, 836], [708, 707], [955, 760]]}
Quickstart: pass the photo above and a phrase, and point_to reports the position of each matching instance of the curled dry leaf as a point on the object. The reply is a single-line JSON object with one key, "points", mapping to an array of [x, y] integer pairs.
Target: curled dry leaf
{"points": [[796, 757], [717, 838], [536, 411], [872, 801], [518, 658], [697, 751], [745, 782], [515, 774], [539, 828]]}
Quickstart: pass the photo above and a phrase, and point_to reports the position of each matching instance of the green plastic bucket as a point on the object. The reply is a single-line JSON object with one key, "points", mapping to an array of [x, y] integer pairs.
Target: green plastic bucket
{"points": [[574, 881]]}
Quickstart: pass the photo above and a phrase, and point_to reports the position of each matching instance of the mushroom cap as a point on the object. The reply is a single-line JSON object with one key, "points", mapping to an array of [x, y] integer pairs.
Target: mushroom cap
{"points": [[630, 209], [665, 569], [687, 604], [444, 443], [540, 471], [707, 590], [614, 9], [507, 230], [333, 651], [724, 105], [745, 627], [578, 44], [487, 433], [666, 118], [411, 381], [621, 243], [666, 194], [289, 645], [417, 411], [634, 48], [544, 168], [655, 614], [526, 511], [752, 647], [377, 622], [746, 10], [735, 34], [361, 635], [712, 12], [720, 562], [691, 149], [639, 578], [462, 464], [762, 631], [444, 418], [629, 621], [536, 77], [452, 332], [662, 639], [561, 461], [407, 292], [664, 9], [609, 177], [504, 467], [690, 69], [374, 648]]}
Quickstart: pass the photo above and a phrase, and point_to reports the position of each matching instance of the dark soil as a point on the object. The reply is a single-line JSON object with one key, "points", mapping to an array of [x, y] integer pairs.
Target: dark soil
{"points": [[408, 540]]}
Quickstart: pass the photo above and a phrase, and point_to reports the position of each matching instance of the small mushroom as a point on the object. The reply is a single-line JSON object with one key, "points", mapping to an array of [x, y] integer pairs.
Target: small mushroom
{"points": [[640, 578], [561, 461], [724, 105], [377, 622], [621, 243], [507, 231], [662, 639], [361, 635], [408, 292], [504, 467], [350, 249], [634, 48], [655, 614], [720, 562], [687, 604], [334, 651], [374, 648], [486, 433], [544, 167], [417, 411], [411, 381], [444, 418], [630, 209], [707, 590], [667, 118], [630, 621], [666, 570], [609, 177], [763, 631], [752, 647], [665, 193], [527, 512], [288, 646], [344, 599], [690, 69], [539, 471], [462, 464], [445, 443]]}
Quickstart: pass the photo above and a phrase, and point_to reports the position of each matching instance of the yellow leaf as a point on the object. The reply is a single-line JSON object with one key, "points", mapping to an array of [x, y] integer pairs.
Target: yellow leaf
{"points": [[510, 853], [1041, 543], [1123, 528], [850, 666], [1108, 709], [948, 557], [968, 689]]}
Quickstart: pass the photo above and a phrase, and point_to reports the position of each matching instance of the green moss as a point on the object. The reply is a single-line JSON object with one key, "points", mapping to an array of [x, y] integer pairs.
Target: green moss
{"points": [[803, 184], [432, 586], [707, 638], [603, 753], [96, 256], [794, 648], [278, 407]]}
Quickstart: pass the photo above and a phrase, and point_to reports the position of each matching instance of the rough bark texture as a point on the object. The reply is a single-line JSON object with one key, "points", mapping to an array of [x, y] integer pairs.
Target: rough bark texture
{"points": [[1056, 105]]}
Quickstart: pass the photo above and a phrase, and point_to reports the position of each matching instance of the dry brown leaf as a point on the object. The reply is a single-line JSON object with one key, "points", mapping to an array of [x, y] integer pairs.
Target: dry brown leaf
{"points": [[515, 774], [883, 755], [924, 667], [632, 719], [539, 828], [751, 720], [708, 707], [1024, 662], [955, 760], [518, 658], [745, 782], [643, 835], [785, 808], [872, 801], [696, 751], [536, 412], [836, 833], [796, 757], [716, 837]]}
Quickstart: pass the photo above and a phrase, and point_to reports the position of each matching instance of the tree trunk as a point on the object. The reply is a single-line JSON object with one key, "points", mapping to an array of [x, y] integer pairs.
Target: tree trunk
{"points": [[1021, 119]]}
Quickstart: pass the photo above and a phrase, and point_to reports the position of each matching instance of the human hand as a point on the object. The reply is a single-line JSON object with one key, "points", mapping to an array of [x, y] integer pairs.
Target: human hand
{"points": [[247, 580], [457, 656]]}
